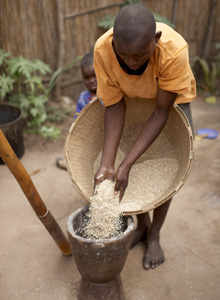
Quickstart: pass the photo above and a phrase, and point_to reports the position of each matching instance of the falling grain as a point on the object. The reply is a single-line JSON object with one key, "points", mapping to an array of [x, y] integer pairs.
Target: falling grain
{"points": [[103, 219]]}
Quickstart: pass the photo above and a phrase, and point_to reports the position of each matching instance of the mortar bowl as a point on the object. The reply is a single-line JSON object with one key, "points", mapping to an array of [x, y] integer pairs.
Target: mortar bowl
{"points": [[101, 261], [98, 261]]}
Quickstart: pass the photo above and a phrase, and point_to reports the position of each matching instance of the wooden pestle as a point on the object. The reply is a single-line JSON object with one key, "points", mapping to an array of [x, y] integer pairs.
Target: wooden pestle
{"points": [[24, 180]]}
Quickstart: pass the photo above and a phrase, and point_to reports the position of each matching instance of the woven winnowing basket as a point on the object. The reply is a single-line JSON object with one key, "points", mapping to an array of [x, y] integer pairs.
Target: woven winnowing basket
{"points": [[84, 143]]}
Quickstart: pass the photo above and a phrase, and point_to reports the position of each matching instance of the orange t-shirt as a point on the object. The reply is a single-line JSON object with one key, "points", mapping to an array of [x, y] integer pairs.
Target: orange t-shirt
{"points": [[168, 69]]}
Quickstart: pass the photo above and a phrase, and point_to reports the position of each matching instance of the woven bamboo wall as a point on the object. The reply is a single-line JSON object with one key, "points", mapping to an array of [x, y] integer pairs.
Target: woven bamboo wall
{"points": [[56, 31]]}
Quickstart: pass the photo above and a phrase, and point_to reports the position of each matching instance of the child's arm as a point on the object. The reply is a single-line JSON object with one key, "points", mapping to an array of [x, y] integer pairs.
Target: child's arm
{"points": [[149, 133], [114, 123], [79, 106]]}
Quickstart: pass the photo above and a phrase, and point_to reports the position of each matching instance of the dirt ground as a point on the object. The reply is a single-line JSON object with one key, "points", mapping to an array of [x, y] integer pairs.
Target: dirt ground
{"points": [[33, 268]]}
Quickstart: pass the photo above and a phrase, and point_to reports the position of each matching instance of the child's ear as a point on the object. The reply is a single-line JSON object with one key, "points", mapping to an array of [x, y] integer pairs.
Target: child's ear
{"points": [[158, 35]]}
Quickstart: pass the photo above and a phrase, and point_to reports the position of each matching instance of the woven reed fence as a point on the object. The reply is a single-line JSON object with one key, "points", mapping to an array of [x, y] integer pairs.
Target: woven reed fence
{"points": [[57, 31]]}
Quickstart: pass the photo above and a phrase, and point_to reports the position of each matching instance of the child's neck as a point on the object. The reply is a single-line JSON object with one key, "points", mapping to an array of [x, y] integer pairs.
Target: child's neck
{"points": [[127, 70], [92, 93]]}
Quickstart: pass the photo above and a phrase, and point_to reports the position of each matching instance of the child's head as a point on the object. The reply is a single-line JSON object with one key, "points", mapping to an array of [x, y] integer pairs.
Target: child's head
{"points": [[134, 36], [88, 73]]}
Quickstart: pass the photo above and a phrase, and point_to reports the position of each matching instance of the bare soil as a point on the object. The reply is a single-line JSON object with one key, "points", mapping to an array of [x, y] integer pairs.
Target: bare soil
{"points": [[32, 266]]}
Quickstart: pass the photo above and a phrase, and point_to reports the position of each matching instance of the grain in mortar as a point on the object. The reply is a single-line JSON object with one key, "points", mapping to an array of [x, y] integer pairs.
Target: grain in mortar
{"points": [[103, 219]]}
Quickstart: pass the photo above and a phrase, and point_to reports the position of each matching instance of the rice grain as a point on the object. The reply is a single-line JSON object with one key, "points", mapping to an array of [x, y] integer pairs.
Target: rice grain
{"points": [[103, 219], [148, 181]]}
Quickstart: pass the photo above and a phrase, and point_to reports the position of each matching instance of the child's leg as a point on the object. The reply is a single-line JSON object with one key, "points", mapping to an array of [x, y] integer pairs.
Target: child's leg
{"points": [[154, 255], [140, 233], [150, 232], [186, 107]]}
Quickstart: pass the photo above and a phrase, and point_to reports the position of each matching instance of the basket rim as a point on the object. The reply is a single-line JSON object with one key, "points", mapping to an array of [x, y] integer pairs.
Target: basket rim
{"points": [[155, 203], [72, 128]]}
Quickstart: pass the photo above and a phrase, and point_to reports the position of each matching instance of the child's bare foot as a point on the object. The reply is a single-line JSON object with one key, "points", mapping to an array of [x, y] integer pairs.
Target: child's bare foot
{"points": [[154, 255]]}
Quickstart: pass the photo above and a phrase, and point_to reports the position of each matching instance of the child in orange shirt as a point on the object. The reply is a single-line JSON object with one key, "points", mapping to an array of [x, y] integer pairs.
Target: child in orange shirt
{"points": [[145, 59]]}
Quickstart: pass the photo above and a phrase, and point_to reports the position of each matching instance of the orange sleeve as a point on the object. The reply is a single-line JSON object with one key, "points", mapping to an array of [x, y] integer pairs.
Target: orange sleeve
{"points": [[108, 89], [176, 76]]}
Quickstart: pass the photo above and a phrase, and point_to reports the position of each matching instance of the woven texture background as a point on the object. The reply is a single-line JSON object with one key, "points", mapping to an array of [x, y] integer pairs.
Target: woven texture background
{"points": [[57, 31]]}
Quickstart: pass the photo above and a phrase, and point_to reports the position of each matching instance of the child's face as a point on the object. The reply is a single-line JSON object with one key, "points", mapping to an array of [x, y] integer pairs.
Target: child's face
{"points": [[89, 78], [136, 54]]}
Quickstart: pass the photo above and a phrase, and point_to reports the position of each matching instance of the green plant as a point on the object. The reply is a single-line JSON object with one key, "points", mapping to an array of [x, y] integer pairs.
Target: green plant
{"points": [[58, 73], [127, 2], [210, 73], [162, 19], [21, 84], [51, 132], [107, 21]]}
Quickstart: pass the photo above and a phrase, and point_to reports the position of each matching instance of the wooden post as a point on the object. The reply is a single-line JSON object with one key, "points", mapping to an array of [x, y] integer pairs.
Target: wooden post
{"points": [[61, 45], [30, 191], [209, 29], [174, 11]]}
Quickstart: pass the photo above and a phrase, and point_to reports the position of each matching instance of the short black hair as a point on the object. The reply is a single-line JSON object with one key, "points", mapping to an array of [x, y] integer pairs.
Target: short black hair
{"points": [[134, 22], [87, 60]]}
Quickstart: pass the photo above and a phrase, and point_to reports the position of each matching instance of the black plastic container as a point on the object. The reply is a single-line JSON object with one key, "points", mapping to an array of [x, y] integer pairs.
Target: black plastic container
{"points": [[11, 126]]}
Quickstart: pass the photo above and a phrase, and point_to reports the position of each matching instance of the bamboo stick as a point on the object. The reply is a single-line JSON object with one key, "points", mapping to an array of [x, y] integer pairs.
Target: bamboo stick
{"points": [[95, 9], [61, 44], [30, 191]]}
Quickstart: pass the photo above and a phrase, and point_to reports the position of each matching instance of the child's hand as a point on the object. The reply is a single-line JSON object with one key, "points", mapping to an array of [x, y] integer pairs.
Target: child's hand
{"points": [[102, 174], [121, 184]]}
